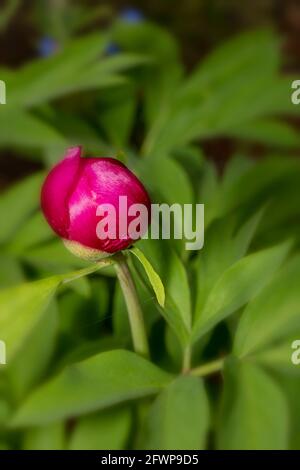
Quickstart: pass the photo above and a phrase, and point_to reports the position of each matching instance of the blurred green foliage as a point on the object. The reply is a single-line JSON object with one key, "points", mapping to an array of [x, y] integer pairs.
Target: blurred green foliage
{"points": [[67, 335]]}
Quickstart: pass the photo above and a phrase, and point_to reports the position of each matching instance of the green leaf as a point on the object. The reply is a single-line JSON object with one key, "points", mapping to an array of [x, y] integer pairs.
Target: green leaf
{"points": [[74, 322], [4, 411], [77, 130], [177, 309], [254, 411], [45, 79], [20, 128], [169, 182], [34, 231], [86, 349], [238, 285], [248, 184], [283, 209], [236, 167], [178, 291], [97, 383], [45, 438], [268, 132], [257, 183], [290, 385], [91, 80], [105, 430], [105, 73], [24, 196], [120, 63], [32, 359], [167, 178], [225, 245], [160, 84], [179, 417], [161, 80], [223, 93], [52, 256], [21, 308], [238, 54], [117, 115], [146, 38], [152, 275], [273, 314], [278, 357], [209, 191], [13, 272]]}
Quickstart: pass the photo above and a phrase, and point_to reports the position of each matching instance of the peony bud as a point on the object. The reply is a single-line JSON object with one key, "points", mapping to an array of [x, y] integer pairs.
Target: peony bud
{"points": [[72, 193]]}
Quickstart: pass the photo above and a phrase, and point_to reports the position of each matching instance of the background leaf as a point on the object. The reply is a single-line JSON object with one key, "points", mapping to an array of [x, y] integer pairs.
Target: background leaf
{"points": [[104, 380], [45, 438], [25, 196], [19, 128], [226, 243], [179, 417], [104, 430], [46, 79], [239, 284], [273, 315], [178, 291], [21, 309], [254, 412]]}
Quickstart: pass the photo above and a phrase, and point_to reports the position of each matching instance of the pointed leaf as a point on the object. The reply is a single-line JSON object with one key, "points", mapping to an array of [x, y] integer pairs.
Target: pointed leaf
{"points": [[179, 417], [273, 315], [152, 275], [94, 384], [254, 412], [238, 285], [105, 430]]}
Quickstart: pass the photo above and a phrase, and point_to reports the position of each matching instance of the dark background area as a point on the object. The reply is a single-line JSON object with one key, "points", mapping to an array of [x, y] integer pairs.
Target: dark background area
{"points": [[198, 24]]}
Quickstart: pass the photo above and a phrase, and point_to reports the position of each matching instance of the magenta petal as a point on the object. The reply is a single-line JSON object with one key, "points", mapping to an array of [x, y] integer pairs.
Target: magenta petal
{"points": [[102, 180], [76, 187], [56, 190]]}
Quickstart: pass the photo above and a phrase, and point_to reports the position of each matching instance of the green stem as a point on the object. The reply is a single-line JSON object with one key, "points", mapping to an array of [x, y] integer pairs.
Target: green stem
{"points": [[135, 314], [209, 368], [187, 356]]}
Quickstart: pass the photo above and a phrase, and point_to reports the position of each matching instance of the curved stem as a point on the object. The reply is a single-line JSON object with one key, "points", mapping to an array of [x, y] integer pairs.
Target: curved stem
{"points": [[135, 314], [209, 368]]}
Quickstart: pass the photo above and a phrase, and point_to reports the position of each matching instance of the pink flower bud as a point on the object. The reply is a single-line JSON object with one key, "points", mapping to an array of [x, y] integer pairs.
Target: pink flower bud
{"points": [[76, 187]]}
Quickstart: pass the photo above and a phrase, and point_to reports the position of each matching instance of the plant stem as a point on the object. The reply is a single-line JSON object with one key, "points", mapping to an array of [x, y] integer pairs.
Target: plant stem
{"points": [[209, 368], [135, 314], [187, 356]]}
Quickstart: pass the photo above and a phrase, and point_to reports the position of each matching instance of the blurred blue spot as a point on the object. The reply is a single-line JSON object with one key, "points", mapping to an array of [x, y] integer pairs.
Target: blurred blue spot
{"points": [[112, 49], [47, 46], [131, 15]]}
